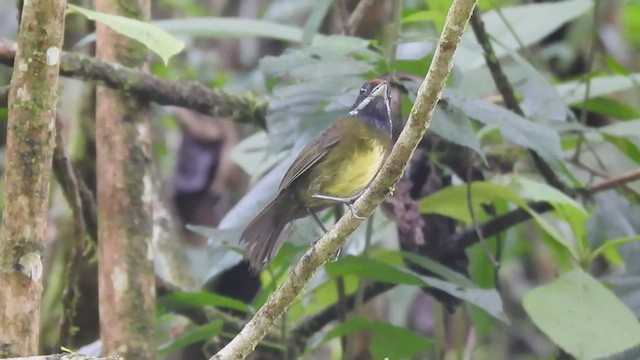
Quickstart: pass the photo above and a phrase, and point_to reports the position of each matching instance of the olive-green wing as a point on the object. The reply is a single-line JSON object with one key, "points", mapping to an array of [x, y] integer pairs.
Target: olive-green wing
{"points": [[312, 153]]}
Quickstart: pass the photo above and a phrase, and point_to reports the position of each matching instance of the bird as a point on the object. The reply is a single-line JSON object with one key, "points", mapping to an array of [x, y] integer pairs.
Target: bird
{"points": [[335, 167]]}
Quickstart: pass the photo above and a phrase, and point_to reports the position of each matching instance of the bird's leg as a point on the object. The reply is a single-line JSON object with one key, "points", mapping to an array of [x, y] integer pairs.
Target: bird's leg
{"points": [[317, 220], [324, 229], [347, 201]]}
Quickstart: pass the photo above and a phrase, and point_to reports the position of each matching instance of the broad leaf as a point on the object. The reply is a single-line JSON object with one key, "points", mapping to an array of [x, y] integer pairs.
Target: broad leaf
{"points": [[368, 268], [191, 336], [388, 341], [525, 22], [574, 91], [154, 38], [184, 300], [625, 146], [537, 137], [582, 316], [452, 202]]}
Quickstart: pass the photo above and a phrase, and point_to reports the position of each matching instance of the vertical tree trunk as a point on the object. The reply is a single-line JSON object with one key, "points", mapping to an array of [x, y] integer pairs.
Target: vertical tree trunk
{"points": [[30, 143], [126, 277]]}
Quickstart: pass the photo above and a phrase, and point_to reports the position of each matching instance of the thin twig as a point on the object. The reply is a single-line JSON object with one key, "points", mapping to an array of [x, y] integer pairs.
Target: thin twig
{"points": [[342, 296], [193, 95], [75, 190], [413, 132], [315, 323], [357, 15], [343, 12], [474, 221], [604, 175], [66, 176], [613, 182], [590, 60], [471, 344]]}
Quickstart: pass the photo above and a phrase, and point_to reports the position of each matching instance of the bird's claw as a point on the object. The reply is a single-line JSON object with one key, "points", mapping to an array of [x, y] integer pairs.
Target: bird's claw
{"points": [[354, 211], [347, 201]]}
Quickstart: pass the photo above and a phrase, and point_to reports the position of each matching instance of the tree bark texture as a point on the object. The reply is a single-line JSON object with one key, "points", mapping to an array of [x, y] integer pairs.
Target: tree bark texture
{"points": [[126, 276], [29, 150]]}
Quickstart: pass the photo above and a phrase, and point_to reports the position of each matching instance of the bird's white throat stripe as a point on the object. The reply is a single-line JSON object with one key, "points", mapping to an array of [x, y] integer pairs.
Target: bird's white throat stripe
{"points": [[362, 105]]}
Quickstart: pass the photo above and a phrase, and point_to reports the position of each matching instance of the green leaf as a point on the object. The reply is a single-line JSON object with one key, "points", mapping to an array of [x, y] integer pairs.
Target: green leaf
{"points": [[455, 126], [539, 191], [185, 300], [573, 92], [438, 269], [227, 27], [624, 145], [314, 21], [421, 16], [452, 200], [486, 299], [525, 21], [537, 137], [372, 269], [388, 341], [627, 128], [199, 333], [611, 244], [610, 107], [154, 38], [234, 28], [582, 316]]}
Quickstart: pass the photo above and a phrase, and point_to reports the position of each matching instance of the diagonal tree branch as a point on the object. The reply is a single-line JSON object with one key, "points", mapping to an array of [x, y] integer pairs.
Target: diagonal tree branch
{"points": [[419, 120], [191, 95]]}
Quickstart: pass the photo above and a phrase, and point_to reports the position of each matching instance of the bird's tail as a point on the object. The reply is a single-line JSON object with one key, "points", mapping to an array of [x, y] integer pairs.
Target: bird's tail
{"points": [[264, 234]]}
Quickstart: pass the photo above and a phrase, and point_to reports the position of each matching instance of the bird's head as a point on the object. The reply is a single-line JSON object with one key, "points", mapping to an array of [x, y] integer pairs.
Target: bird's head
{"points": [[373, 102]]}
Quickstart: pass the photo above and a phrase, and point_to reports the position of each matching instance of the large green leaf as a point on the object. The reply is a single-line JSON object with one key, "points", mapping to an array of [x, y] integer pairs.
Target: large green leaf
{"points": [[525, 21], [574, 91], [372, 269], [625, 145], [486, 299], [449, 123], [229, 27], [314, 21], [537, 137], [455, 126], [438, 269], [191, 336], [185, 300], [452, 202], [586, 319], [388, 341], [156, 39]]}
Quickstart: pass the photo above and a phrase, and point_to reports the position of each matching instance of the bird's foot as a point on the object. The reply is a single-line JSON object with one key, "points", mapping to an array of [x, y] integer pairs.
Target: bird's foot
{"points": [[347, 201], [337, 254]]}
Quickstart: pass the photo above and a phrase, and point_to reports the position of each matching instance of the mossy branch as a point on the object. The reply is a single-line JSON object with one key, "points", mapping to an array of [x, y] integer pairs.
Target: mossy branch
{"points": [[418, 123], [193, 95]]}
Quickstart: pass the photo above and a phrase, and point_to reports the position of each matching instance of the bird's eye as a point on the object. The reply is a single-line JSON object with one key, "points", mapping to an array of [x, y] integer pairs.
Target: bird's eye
{"points": [[363, 90]]}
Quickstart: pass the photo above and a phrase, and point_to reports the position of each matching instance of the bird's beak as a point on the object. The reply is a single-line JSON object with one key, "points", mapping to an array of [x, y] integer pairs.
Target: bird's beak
{"points": [[380, 90]]}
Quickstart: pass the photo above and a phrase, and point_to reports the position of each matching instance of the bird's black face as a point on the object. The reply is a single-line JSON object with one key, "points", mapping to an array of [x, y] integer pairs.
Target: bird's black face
{"points": [[374, 104]]}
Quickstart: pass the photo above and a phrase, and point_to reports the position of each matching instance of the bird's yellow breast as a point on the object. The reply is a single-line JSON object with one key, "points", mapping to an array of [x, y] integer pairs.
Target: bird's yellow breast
{"points": [[359, 166]]}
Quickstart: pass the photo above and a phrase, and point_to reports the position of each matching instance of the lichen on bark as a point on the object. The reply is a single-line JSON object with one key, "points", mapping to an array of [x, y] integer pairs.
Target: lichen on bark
{"points": [[29, 150], [126, 276]]}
